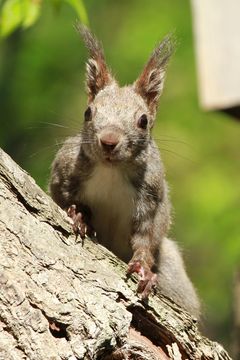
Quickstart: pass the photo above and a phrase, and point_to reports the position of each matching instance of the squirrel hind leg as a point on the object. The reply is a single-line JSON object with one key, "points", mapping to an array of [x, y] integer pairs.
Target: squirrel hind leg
{"points": [[173, 279]]}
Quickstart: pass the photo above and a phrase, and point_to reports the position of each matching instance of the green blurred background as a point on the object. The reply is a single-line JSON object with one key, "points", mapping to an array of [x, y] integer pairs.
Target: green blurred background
{"points": [[42, 83]]}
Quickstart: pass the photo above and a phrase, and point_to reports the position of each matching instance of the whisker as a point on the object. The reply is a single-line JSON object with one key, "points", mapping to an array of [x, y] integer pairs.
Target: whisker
{"points": [[173, 141], [44, 149], [71, 119], [177, 154], [68, 146], [167, 136], [51, 125], [54, 124], [163, 139]]}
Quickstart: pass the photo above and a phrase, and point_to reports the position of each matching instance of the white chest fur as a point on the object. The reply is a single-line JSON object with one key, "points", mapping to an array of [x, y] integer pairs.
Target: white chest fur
{"points": [[110, 196]]}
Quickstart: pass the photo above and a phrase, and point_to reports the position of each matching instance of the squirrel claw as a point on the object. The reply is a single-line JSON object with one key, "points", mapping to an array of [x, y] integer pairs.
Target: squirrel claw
{"points": [[79, 225], [148, 279], [135, 267], [146, 285]]}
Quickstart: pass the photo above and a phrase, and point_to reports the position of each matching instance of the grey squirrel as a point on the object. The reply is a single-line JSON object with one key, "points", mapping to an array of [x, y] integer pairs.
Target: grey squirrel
{"points": [[110, 177]]}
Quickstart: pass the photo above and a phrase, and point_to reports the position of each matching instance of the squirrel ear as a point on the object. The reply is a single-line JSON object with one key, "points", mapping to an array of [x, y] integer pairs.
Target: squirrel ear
{"points": [[150, 83], [98, 75]]}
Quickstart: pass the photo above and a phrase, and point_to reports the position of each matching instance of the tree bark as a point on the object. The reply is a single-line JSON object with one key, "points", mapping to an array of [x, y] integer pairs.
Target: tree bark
{"points": [[62, 299]]}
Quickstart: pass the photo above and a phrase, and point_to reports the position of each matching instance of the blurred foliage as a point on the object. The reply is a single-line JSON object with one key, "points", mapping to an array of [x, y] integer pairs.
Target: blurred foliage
{"points": [[24, 13], [42, 84]]}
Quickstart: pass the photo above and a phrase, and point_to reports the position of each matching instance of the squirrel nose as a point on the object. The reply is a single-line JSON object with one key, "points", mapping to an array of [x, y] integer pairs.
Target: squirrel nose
{"points": [[109, 141]]}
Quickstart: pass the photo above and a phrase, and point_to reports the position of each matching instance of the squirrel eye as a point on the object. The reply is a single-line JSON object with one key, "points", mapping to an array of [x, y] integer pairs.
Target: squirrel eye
{"points": [[88, 114], [143, 122]]}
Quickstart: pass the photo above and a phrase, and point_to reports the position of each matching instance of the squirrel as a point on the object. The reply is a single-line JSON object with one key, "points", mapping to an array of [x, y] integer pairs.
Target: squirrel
{"points": [[110, 177]]}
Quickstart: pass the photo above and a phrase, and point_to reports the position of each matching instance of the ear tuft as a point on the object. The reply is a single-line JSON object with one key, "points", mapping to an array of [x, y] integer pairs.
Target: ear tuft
{"points": [[98, 74], [150, 83]]}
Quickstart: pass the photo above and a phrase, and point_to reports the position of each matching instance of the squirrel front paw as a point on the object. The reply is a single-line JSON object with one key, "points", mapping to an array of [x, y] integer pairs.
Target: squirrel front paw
{"points": [[80, 225], [148, 279]]}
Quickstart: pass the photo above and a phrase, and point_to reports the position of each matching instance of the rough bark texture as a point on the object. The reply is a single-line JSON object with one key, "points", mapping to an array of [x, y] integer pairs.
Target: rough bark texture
{"points": [[60, 299]]}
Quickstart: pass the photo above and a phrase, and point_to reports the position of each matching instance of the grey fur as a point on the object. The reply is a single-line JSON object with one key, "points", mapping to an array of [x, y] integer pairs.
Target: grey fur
{"points": [[125, 189]]}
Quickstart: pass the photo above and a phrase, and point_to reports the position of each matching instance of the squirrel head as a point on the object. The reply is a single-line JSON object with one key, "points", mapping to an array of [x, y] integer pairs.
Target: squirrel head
{"points": [[118, 120]]}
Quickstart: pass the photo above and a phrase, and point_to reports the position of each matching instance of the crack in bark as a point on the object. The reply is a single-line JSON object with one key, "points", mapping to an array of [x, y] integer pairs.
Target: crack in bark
{"points": [[159, 335], [31, 208], [56, 328]]}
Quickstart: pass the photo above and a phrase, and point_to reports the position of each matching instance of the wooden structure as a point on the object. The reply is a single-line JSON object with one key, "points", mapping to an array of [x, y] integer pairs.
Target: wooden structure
{"points": [[217, 40]]}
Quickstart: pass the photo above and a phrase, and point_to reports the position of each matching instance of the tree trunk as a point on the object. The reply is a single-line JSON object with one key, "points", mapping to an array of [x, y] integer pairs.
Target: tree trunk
{"points": [[62, 299]]}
